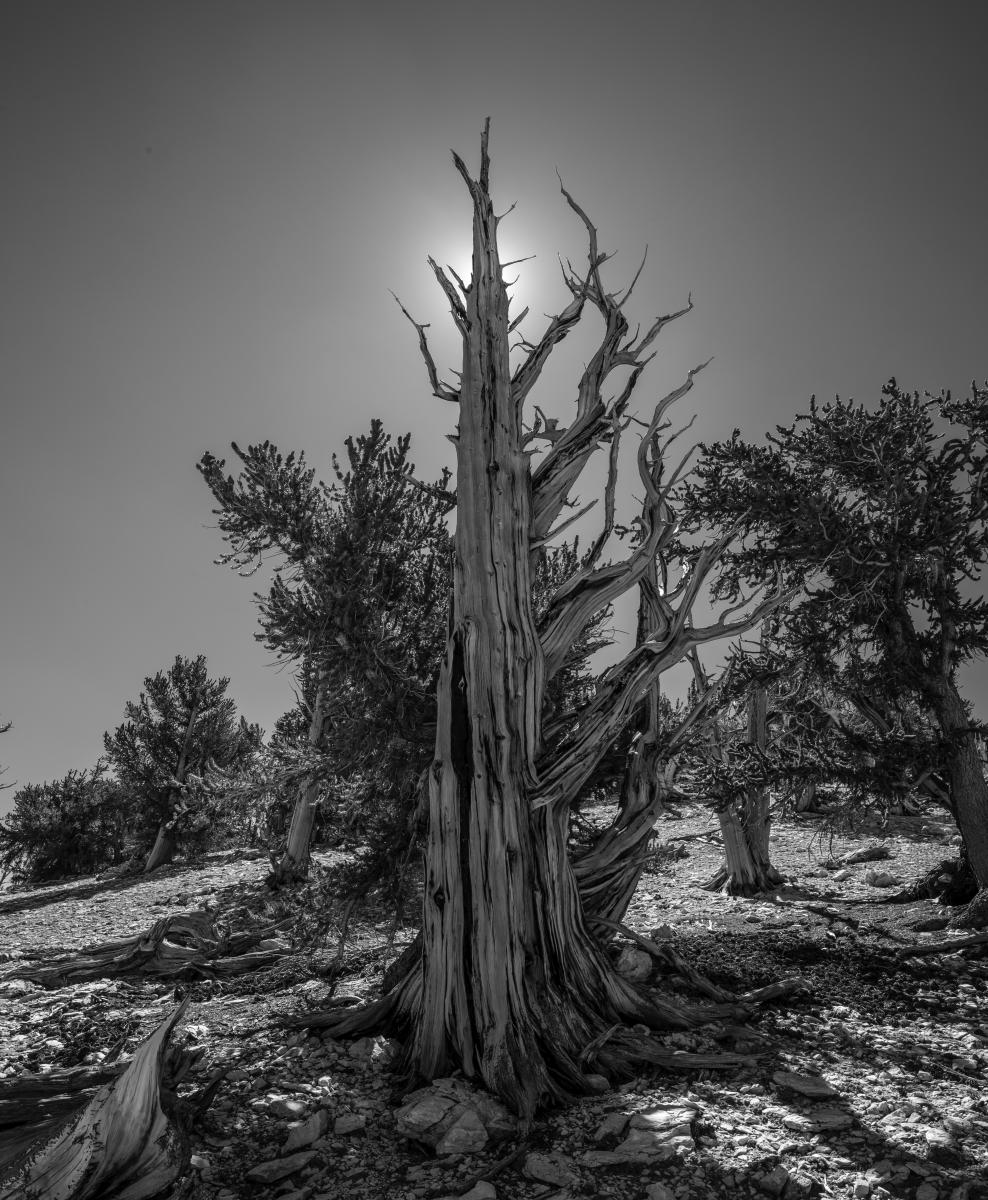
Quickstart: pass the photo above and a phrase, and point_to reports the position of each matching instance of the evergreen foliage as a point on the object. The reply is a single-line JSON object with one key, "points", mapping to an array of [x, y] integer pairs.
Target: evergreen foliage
{"points": [[359, 602], [77, 825], [182, 725], [884, 511]]}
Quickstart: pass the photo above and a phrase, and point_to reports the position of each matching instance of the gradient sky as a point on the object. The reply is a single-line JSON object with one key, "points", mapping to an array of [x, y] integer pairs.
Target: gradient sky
{"points": [[205, 204]]}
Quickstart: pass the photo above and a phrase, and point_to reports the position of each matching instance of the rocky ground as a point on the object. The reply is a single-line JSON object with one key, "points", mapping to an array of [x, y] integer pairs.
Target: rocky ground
{"points": [[869, 1083]]}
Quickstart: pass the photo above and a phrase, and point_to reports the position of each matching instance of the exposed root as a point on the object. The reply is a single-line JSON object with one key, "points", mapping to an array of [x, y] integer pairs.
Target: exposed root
{"points": [[951, 882], [122, 1143], [285, 872], [974, 915], [927, 948], [184, 945], [621, 1052], [732, 884]]}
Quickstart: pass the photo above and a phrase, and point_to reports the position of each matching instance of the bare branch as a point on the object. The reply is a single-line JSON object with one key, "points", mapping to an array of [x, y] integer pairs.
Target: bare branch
{"points": [[528, 372], [631, 286], [518, 320], [464, 287], [565, 525], [659, 325], [609, 491], [440, 389], [455, 303]]}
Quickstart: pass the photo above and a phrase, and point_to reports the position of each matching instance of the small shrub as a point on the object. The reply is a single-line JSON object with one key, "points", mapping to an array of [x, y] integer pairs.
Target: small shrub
{"points": [[73, 826]]}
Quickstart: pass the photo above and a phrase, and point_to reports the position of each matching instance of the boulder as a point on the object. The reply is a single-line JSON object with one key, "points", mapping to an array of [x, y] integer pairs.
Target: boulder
{"points": [[656, 1135], [430, 1113], [466, 1135], [634, 964], [882, 879], [349, 1123], [774, 1182]]}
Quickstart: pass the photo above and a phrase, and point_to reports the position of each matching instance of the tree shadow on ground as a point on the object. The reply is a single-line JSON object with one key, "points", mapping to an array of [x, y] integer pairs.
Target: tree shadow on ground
{"points": [[88, 887]]}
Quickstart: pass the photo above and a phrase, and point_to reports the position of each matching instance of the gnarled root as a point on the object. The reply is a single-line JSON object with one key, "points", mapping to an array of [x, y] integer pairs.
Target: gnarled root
{"points": [[951, 882], [743, 884]]}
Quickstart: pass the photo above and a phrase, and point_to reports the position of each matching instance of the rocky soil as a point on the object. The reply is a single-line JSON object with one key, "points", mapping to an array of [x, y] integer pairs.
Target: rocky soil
{"points": [[871, 1082]]}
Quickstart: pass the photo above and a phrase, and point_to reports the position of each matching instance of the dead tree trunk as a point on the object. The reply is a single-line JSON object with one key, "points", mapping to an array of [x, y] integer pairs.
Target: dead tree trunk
{"points": [[166, 843], [511, 987], [292, 864], [746, 825]]}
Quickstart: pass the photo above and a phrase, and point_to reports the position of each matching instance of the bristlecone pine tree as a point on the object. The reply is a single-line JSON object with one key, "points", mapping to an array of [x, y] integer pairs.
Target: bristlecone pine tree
{"points": [[182, 725], [888, 509], [357, 603], [512, 988]]}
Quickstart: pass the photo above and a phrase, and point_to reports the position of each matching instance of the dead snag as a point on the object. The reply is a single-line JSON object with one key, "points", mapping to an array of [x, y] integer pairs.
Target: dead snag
{"points": [[513, 985]]}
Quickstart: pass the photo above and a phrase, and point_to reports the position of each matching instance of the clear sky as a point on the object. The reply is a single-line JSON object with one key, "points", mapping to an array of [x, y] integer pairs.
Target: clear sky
{"points": [[205, 204]]}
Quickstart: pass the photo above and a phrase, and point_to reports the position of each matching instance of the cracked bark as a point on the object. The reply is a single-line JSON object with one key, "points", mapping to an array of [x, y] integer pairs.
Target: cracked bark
{"points": [[511, 987]]}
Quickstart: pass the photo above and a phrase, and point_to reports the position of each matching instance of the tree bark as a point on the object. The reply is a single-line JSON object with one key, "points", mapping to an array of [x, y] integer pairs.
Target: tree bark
{"points": [[292, 864], [512, 988], [163, 850], [124, 1142], [968, 789], [747, 870]]}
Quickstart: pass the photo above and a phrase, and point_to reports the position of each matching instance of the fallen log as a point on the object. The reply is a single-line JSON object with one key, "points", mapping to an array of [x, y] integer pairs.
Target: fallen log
{"points": [[185, 945], [123, 1143]]}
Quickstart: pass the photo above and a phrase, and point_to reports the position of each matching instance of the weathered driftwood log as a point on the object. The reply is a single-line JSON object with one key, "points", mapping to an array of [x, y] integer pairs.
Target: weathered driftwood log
{"points": [[121, 1144], [184, 945]]}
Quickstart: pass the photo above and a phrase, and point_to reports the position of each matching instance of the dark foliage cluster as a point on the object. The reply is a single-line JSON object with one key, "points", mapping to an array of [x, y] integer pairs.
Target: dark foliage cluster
{"points": [[182, 725], [884, 511], [77, 825]]}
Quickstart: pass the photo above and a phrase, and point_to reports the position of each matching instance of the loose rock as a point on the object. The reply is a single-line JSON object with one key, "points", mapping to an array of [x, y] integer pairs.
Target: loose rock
{"points": [[811, 1086], [556, 1169], [279, 1168]]}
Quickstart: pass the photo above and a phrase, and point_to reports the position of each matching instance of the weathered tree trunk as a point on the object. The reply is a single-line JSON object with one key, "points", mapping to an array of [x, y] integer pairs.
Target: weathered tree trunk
{"points": [[163, 850], [166, 843], [501, 922], [747, 870], [124, 1143], [511, 987], [968, 789], [292, 864]]}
